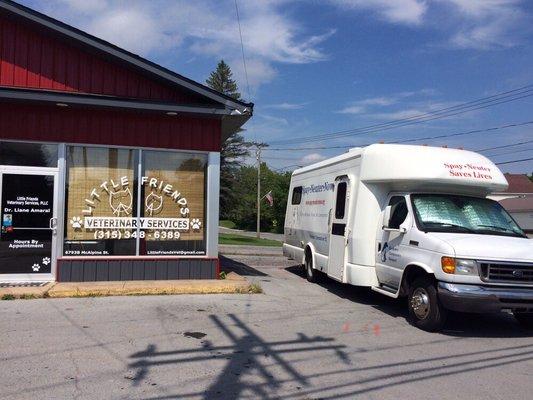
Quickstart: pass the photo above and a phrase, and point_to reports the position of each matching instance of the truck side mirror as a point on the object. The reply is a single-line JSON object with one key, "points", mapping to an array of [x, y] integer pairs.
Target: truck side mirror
{"points": [[386, 216]]}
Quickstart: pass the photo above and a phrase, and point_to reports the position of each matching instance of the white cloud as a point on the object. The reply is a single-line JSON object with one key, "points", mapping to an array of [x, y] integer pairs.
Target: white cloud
{"points": [[481, 8], [143, 35], [353, 109], [84, 5], [466, 24], [275, 120], [286, 106], [364, 105], [399, 114], [259, 72], [378, 101], [487, 24], [418, 108], [312, 158], [203, 28], [410, 12]]}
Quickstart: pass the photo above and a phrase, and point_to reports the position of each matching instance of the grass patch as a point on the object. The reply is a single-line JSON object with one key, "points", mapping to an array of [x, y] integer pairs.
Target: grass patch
{"points": [[89, 294], [226, 223], [254, 288], [230, 238], [8, 297]]}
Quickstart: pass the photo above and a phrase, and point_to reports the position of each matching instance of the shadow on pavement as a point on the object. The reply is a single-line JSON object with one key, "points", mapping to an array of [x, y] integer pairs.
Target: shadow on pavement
{"points": [[256, 368], [230, 265], [251, 361], [459, 324]]}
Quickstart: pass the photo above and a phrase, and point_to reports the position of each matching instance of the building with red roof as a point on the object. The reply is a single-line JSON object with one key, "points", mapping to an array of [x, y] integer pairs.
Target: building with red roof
{"points": [[109, 163]]}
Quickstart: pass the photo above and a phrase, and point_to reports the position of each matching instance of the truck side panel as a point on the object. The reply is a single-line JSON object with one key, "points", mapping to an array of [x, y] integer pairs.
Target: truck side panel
{"points": [[308, 221]]}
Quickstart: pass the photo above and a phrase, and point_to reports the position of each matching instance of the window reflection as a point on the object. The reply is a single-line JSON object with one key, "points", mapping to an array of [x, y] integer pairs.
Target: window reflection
{"points": [[173, 188], [101, 201], [28, 154]]}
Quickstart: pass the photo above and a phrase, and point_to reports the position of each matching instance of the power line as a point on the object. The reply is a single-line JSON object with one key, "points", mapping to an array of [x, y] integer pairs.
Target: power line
{"points": [[509, 152], [418, 139], [505, 146], [242, 51], [490, 101], [438, 114], [281, 158], [417, 121], [514, 161], [287, 166]]}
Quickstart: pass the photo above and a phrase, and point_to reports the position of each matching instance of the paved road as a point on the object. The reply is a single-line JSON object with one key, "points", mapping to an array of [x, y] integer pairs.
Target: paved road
{"points": [[264, 235], [296, 341]]}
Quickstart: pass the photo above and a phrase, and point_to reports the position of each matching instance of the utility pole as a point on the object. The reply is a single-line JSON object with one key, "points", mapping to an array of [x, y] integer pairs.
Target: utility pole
{"points": [[258, 156], [258, 146]]}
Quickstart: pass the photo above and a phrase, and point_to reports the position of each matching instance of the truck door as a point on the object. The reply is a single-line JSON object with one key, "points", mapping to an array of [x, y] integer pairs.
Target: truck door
{"points": [[337, 228], [391, 241]]}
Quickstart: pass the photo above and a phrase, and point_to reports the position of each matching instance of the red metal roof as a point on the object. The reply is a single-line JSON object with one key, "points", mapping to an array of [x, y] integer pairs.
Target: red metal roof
{"points": [[94, 46], [31, 59], [43, 55]]}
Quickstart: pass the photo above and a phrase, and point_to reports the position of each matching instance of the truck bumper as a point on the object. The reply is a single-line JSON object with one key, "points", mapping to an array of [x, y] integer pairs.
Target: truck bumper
{"points": [[484, 299]]}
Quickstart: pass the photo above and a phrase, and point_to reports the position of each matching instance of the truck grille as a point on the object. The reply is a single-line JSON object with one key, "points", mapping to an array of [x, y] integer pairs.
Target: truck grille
{"points": [[502, 272]]}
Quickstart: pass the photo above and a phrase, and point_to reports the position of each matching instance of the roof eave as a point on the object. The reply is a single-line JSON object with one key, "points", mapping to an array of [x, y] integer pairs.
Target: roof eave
{"points": [[52, 97]]}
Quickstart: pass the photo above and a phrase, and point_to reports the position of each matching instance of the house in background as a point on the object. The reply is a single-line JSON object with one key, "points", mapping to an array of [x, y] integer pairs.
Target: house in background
{"points": [[518, 200]]}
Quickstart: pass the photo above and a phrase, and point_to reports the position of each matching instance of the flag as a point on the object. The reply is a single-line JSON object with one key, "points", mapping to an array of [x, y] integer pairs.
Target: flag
{"points": [[269, 198]]}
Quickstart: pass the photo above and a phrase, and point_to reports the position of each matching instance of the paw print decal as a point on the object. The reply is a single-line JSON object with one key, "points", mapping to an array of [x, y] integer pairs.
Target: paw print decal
{"points": [[46, 260], [196, 224], [76, 223], [35, 267]]}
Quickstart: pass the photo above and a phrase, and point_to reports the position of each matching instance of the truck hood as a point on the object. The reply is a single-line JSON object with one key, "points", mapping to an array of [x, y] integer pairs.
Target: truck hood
{"points": [[489, 247]]}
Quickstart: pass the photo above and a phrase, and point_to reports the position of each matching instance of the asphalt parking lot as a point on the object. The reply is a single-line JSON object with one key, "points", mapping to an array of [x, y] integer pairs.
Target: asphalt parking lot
{"points": [[296, 341]]}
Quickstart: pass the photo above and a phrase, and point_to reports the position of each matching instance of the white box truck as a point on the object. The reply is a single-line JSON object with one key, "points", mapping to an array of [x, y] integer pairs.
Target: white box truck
{"points": [[412, 221]]}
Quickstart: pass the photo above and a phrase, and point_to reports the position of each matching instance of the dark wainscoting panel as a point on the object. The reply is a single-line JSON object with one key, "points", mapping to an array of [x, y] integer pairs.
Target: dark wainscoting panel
{"points": [[91, 270]]}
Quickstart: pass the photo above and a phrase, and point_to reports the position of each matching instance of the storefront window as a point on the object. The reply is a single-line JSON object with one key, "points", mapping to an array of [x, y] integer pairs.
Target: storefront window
{"points": [[101, 202], [28, 154], [105, 215], [173, 195]]}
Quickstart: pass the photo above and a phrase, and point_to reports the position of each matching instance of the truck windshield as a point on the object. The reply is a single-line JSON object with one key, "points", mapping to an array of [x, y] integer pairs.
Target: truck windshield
{"points": [[463, 214]]}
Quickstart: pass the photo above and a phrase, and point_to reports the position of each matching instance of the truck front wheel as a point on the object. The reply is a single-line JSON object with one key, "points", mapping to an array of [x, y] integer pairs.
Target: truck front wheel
{"points": [[425, 310]]}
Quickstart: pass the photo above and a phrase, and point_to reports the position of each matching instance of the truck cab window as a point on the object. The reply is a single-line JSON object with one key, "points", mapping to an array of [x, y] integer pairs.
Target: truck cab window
{"points": [[398, 212], [296, 195], [340, 204]]}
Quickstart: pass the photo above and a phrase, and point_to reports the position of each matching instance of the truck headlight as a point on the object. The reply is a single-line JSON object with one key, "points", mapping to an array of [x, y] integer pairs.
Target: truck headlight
{"points": [[459, 266], [465, 267]]}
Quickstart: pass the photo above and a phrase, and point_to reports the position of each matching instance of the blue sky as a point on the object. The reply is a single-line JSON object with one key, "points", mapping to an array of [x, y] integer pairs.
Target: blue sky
{"points": [[316, 66]]}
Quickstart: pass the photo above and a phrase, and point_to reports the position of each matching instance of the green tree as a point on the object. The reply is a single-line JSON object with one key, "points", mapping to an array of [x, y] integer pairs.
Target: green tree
{"points": [[244, 210], [234, 148], [221, 80]]}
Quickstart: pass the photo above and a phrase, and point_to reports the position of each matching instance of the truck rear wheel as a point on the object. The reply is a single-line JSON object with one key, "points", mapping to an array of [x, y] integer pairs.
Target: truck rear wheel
{"points": [[525, 319], [425, 310], [310, 273]]}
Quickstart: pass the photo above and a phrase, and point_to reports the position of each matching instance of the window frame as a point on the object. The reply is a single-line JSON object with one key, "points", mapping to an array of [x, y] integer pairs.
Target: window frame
{"points": [[141, 193], [403, 199], [138, 169], [297, 192], [422, 228], [345, 185], [66, 190]]}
